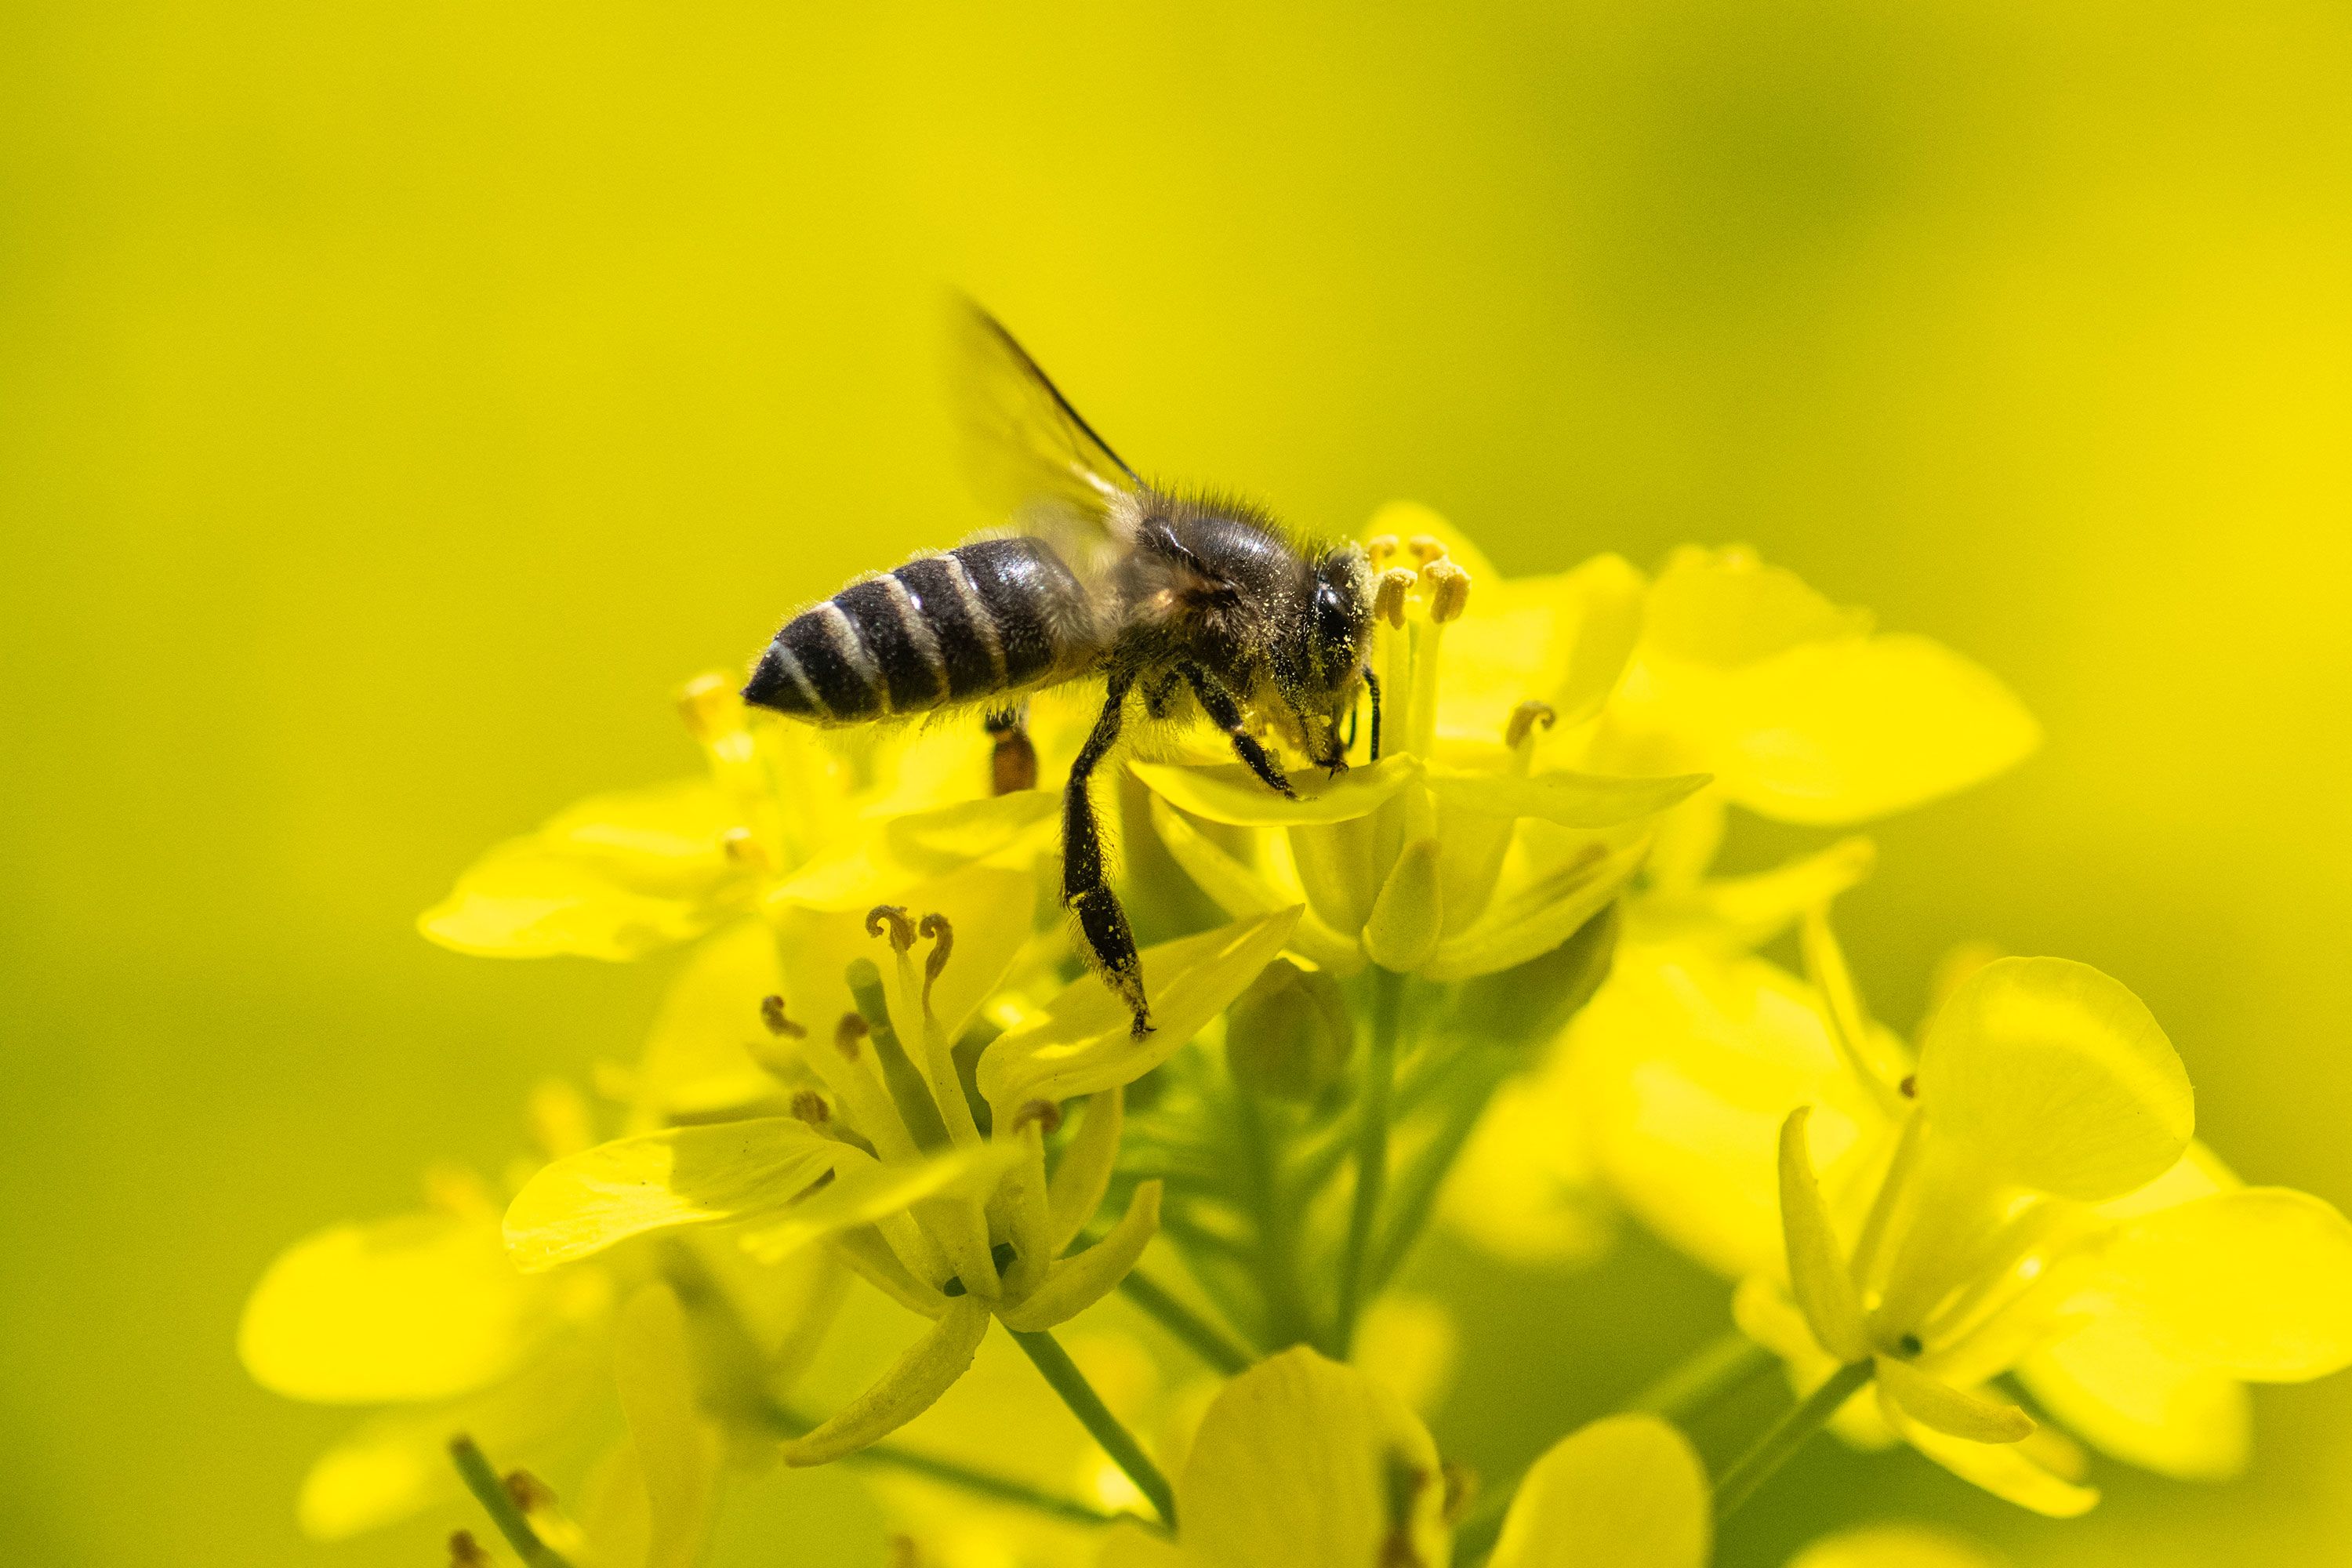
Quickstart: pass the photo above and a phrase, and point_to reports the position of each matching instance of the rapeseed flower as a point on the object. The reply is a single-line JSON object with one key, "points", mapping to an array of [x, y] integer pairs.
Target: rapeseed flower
{"points": [[425, 1316], [962, 1226], [2024, 1196]]}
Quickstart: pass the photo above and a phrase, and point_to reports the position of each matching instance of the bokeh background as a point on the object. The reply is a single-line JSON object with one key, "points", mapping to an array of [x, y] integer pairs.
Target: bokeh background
{"points": [[397, 400]]}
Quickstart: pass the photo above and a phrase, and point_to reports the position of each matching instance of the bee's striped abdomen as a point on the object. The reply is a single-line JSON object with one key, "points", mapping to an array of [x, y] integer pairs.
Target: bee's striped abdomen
{"points": [[982, 618]]}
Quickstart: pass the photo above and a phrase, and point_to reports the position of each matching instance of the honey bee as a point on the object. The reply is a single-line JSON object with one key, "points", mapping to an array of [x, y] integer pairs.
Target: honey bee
{"points": [[1197, 604]]}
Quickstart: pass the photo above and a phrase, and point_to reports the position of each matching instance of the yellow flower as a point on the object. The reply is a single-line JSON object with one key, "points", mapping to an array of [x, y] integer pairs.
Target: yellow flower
{"points": [[2026, 1198], [1455, 855], [1800, 713], [1302, 1463], [783, 821], [884, 1159], [425, 1316]]}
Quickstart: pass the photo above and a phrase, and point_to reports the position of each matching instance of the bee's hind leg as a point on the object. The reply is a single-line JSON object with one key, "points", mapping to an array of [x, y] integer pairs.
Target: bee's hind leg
{"points": [[1226, 715], [1013, 765], [1084, 889]]}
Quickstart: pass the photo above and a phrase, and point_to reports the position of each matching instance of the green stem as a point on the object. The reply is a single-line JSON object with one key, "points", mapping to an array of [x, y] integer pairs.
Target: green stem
{"points": [[1371, 1154], [1417, 1190], [1785, 1436], [482, 1479], [1703, 1377], [1211, 1341], [949, 1472], [1274, 1256], [1116, 1441]]}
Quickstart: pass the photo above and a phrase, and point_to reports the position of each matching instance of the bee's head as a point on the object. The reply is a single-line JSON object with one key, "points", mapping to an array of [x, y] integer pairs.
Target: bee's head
{"points": [[1335, 632]]}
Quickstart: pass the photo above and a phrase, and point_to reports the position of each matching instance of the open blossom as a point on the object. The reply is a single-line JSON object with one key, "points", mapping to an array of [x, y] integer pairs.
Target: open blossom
{"points": [[424, 1319], [962, 1226], [2024, 1197]]}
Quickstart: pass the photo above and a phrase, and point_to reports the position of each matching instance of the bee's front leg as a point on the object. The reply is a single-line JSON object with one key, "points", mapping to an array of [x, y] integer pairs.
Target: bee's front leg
{"points": [[1225, 713], [1084, 889]]}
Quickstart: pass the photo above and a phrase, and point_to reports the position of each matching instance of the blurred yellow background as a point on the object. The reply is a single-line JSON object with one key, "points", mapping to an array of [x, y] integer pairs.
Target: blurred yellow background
{"points": [[396, 401]]}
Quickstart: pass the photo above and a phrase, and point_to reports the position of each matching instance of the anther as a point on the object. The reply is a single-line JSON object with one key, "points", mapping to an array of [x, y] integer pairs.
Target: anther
{"points": [[942, 935], [901, 925], [1523, 719], [1426, 548], [1909, 1086], [772, 1013], [739, 846], [707, 703], [809, 1106], [1388, 597], [848, 1035], [1380, 549], [1910, 1344], [530, 1493], [465, 1552], [1449, 590], [1043, 1112]]}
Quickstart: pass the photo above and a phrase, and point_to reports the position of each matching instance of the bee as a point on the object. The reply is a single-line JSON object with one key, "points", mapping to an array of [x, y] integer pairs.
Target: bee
{"points": [[1197, 606]]}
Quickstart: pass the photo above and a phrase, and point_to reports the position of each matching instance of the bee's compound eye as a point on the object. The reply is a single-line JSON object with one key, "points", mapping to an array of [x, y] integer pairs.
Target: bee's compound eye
{"points": [[1335, 627]]}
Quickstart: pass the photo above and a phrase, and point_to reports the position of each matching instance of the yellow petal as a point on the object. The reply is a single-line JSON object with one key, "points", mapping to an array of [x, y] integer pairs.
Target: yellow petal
{"points": [[1406, 918], [1685, 1065], [684, 1175], [679, 1447], [427, 1306], [1623, 1492], [1534, 919], [1569, 799], [1748, 912], [616, 877], [1724, 608], [1077, 1282], [2256, 1283], [1896, 1546], [1859, 727], [1241, 891], [1084, 1172], [2058, 1078], [699, 1059], [888, 858], [1956, 1412], [2007, 1470], [2108, 1385], [912, 1385], [1230, 793], [865, 1191], [1817, 1269], [1301, 1463], [1080, 1041], [398, 1463]]}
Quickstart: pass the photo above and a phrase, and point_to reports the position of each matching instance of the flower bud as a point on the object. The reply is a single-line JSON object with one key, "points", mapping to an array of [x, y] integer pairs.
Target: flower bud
{"points": [[1289, 1036]]}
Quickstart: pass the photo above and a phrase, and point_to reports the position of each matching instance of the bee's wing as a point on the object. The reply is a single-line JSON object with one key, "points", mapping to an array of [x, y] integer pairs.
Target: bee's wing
{"points": [[1027, 449]]}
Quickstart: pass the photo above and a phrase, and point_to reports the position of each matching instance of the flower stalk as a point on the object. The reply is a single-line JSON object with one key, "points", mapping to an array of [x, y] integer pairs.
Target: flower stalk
{"points": [[489, 1490], [1371, 1154], [1063, 1375], [1782, 1440]]}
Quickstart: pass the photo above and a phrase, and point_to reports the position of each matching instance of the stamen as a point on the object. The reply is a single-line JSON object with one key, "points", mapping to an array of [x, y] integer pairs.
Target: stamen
{"points": [[901, 925], [942, 935], [530, 1493], [848, 1035], [1449, 590], [465, 1552], [1909, 1086], [1388, 597], [1523, 719], [772, 1013], [710, 705], [1043, 1112], [811, 1107], [1380, 550], [1426, 548]]}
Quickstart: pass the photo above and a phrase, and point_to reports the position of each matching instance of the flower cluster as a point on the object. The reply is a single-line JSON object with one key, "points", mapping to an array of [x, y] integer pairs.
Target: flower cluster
{"points": [[1492, 975]]}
